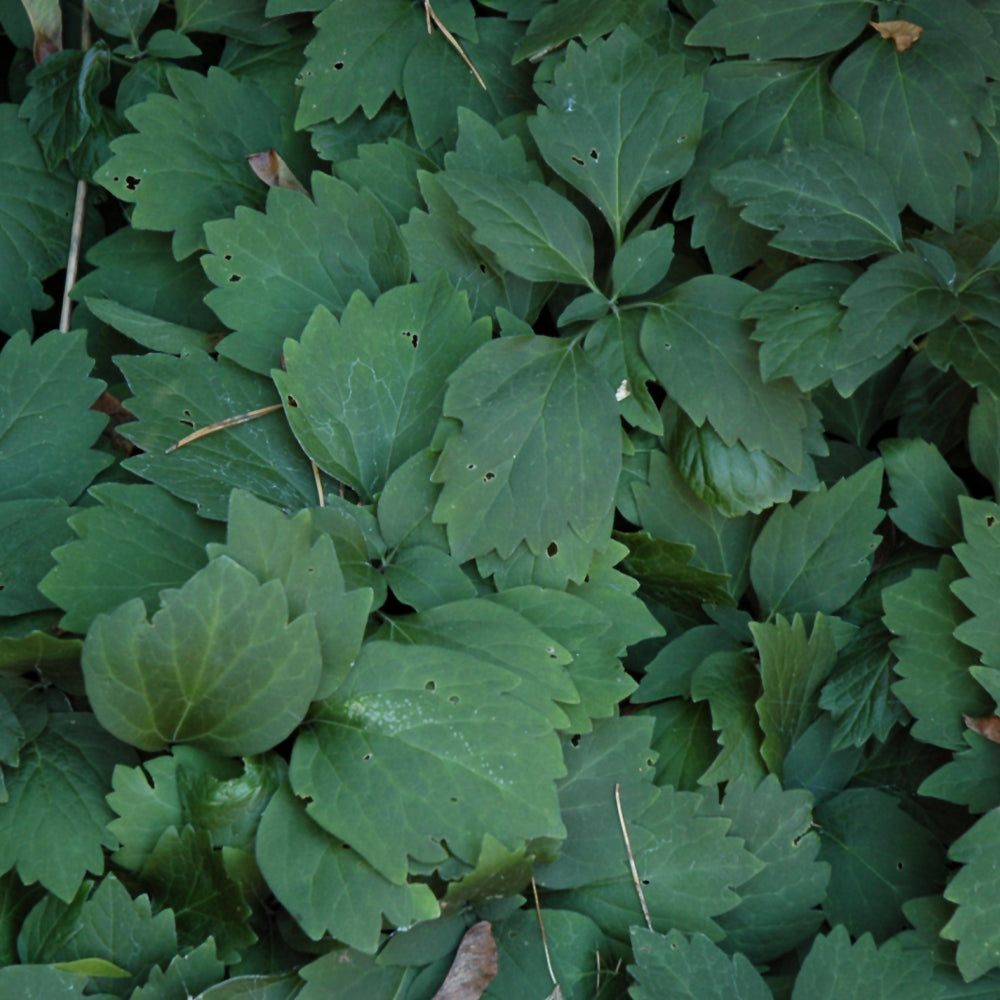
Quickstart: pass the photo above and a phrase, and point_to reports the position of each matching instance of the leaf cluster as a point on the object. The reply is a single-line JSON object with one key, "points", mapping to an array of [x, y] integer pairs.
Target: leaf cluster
{"points": [[504, 449]]}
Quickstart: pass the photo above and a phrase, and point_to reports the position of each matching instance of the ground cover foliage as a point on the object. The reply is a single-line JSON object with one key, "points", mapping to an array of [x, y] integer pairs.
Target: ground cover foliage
{"points": [[619, 489]]}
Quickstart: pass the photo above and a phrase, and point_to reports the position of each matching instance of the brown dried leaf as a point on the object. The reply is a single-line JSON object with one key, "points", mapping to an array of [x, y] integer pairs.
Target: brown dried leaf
{"points": [[988, 726], [273, 171], [902, 33], [475, 965], [46, 23]]}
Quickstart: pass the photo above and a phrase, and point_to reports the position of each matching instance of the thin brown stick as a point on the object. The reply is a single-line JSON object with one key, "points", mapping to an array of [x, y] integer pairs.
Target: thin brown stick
{"points": [[453, 41], [541, 927], [79, 213], [319, 484], [631, 857], [242, 418]]}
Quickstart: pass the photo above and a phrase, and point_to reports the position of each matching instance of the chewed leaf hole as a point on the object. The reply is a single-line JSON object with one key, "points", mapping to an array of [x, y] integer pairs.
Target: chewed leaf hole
{"points": [[367, 756], [338, 65], [454, 699], [489, 477], [482, 267], [413, 338], [551, 651], [471, 466], [551, 550], [131, 183], [990, 520], [291, 401], [233, 278], [594, 155], [227, 256], [430, 686], [577, 160]]}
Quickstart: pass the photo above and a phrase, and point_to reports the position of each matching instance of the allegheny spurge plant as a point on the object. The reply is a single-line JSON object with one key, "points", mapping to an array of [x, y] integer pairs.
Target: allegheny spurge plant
{"points": [[556, 445]]}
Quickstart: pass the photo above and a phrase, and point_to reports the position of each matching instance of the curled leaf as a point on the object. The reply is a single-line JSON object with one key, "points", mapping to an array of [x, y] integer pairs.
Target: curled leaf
{"points": [[988, 726], [474, 967], [273, 171], [46, 23], [903, 33]]}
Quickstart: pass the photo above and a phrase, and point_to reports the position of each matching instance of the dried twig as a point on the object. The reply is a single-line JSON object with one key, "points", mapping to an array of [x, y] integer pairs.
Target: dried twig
{"points": [[219, 425], [79, 213], [453, 41], [631, 858]]}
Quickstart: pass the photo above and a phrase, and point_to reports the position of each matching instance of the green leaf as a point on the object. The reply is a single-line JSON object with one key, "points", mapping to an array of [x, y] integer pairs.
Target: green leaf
{"points": [[499, 874], [46, 424], [971, 778], [406, 726], [389, 170], [538, 452], [342, 972], [690, 969], [365, 394], [826, 200], [69, 763], [797, 323], [533, 231], [777, 906], [789, 29], [500, 635], [28, 982], [668, 674], [557, 22], [699, 348], [196, 141], [36, 207], [273, 269], [968, 348], [895, 300], [974, 889], [138, 541], [984, 437], [858, 694], [577, 950], [684, 740], [124, 18], [243, 19], [186, 874], [937, 687], [814, 556], [326, 886], [920, 107], [110, 927], [730, 683], [870, 841], [792, 668], [356, 59], [755, 109], [425, 577], [218, 665], [642, 261], [669, 509], [63, 107], [978, 591], [619, 122], [835, 969], [136, 276], [925, 490], [186, 975], [174, 396], [29, 530]]}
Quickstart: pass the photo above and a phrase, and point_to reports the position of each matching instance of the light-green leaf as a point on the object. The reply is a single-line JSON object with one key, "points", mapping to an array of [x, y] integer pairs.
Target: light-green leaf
{"points": [[219, 665], [827, 201], [619, 122], [365, 394], [814, 556], [538, 452]]}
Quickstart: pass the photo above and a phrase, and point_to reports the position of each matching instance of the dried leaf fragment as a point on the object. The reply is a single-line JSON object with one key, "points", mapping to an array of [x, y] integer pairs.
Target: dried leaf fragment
{"points": [[902, 33], [46, 23], [273, 171], [474, 967], [988, 726]]}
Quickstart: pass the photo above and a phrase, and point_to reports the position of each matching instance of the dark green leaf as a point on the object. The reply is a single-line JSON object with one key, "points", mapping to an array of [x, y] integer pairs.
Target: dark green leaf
{"points": [[788, 29], [273, 269], [185, 976], [870, 841], [174, 396], [29, 982], [971, 778], [538, 451], [365, 394], [243, 19], [557, 22], [971, 349], [642, 261], [46, 424], [219, 665], [619, 122], [137, 542], [69, 763], [29, 531], [814, 556], [827, 200]]}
